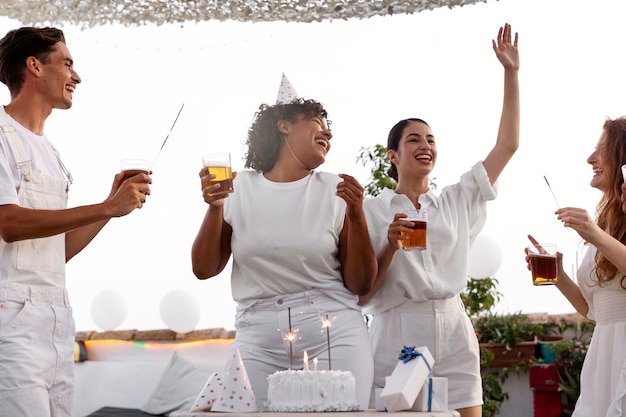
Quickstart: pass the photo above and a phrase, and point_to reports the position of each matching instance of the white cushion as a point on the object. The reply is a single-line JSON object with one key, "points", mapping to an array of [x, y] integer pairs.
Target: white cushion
{"points": [[179, 385]]}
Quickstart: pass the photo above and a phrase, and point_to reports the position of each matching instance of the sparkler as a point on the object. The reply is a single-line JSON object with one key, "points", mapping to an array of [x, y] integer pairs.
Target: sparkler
{"points": [[290, 337], [326, 324], [553, 196], [166, 137]]}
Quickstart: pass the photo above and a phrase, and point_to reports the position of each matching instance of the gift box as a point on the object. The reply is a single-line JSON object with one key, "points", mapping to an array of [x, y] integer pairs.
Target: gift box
{"points": [[433, 396], [407, 379]]}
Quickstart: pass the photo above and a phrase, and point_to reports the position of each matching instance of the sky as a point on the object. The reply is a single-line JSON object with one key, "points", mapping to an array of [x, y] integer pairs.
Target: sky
{"points": [[369, 73]]}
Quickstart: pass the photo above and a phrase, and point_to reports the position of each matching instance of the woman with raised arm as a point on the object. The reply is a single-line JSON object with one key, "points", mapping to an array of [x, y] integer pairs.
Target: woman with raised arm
{"points": [[416, 295]]}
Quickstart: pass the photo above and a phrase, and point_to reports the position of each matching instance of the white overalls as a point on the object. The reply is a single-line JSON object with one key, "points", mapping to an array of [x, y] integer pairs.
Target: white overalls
{"points": [[36, 323]]}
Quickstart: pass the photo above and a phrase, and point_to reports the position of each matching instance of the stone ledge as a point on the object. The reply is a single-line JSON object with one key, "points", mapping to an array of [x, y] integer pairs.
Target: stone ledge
{"points": [[570, 319], [156, 335]]}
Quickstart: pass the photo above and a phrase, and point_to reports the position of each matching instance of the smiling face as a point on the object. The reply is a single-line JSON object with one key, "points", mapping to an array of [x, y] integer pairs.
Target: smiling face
{"points": [[58, 78], [416, 153], [308, 138], [600, 179]]}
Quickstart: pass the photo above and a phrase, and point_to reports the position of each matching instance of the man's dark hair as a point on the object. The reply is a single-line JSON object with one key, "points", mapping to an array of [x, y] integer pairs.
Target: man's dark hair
{"points": [[18, 45]]}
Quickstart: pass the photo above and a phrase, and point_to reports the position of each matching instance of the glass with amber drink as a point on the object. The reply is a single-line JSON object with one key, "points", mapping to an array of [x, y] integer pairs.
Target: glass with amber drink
{"points": [[542, 259], [219, 165], [417, 236]]}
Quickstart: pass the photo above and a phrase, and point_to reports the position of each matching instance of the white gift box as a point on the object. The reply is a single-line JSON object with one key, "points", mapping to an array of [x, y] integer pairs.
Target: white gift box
{"points": [[433, 396], [407, 379]]}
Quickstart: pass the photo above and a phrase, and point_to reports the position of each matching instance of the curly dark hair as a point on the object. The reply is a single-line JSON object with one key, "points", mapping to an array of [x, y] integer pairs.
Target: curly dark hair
{"points": [[393, 141], [19, 44], [264, 138], [609, 212]]}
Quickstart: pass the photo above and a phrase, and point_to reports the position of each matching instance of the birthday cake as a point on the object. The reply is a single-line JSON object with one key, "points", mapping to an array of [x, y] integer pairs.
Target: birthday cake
{"points": [[307, 391]]}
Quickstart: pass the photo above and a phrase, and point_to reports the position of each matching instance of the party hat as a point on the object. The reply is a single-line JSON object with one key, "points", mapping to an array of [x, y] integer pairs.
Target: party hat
{"points": [[286, 92], [208, 395], [236, 395]]}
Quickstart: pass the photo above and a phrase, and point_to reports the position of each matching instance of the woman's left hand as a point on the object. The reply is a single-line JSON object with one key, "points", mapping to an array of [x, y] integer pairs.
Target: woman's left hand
{"points": [[352, 193], [579, 220]]}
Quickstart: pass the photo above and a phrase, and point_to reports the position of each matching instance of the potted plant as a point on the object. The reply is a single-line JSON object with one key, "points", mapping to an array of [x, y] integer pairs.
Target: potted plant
{"points": [[512, 338]]}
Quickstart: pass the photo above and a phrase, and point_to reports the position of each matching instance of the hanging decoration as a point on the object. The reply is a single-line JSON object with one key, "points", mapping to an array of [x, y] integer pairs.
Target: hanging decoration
{"points": [[134, 13]]}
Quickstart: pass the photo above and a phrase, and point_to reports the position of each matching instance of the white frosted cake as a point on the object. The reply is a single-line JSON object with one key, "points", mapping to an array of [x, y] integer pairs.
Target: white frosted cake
{"points": [[306, 391]]}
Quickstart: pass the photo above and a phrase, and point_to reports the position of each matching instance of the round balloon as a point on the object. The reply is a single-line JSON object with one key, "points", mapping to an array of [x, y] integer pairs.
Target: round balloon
{"points": [[485, 257], [109, 309], [180, 311]]}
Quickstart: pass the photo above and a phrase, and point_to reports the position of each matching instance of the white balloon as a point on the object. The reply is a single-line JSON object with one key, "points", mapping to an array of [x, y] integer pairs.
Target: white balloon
{"points": [[180, 311], [485, 257], [109, 309]]}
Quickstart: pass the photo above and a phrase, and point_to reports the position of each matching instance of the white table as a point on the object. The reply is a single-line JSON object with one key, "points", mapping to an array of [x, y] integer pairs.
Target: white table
{"points": [[367, 413]]}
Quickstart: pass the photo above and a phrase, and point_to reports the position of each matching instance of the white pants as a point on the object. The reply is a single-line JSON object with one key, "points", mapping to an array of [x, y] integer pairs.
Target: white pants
{"points": [[261, 339], [36, 352], [443, 327]]}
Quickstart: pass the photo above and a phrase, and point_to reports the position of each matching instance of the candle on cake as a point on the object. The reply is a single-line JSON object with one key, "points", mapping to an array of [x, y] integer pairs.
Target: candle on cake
{"points": [[305, 361]]}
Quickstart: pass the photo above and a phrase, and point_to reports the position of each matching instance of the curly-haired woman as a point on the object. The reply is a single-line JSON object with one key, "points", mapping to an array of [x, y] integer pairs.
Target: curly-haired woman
{"points": [[300, 249]]}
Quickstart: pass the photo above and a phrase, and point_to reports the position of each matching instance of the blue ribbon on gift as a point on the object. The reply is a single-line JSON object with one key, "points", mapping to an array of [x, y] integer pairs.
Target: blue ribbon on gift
{"points": [[430, 394], [409, 353]]}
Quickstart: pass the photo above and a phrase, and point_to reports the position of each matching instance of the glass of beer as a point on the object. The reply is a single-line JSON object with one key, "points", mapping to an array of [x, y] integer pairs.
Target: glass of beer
{"points": [[417, 237], [219, 165], [132, 167], [542, 258]]}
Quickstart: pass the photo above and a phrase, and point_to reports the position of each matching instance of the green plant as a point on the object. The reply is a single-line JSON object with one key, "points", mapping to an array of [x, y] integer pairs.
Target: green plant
{"points": [[493, 395], [507, 328], [480, 296], [569, 357], [377, 156]]}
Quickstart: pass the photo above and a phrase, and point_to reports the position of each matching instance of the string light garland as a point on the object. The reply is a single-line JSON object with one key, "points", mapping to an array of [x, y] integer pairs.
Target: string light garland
{"points": [[91, 13]]}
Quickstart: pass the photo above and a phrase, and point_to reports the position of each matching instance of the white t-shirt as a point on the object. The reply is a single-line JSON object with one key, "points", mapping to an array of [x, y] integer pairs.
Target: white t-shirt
{"points": [[285, 236], [38, 148], [441, 270]]}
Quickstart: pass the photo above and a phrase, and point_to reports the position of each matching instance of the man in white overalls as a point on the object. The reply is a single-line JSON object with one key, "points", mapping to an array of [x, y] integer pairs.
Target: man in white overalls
{"points": [[38, 233]]}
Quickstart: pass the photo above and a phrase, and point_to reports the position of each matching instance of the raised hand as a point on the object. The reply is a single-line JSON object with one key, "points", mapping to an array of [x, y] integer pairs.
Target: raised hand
{"points": [[505, 50], [351, 191]]}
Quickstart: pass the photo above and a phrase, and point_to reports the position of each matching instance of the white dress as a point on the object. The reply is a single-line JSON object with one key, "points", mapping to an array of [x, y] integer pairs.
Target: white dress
{"points": [[603, 376]]}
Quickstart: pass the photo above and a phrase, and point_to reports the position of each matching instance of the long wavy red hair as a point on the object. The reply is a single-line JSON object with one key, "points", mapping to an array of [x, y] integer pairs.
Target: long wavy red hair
{"points": [[609, 214]]}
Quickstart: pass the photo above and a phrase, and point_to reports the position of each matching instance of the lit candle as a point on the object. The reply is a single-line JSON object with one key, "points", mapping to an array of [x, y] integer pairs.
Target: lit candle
{"points": [[305, 360], [315, 364]]}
